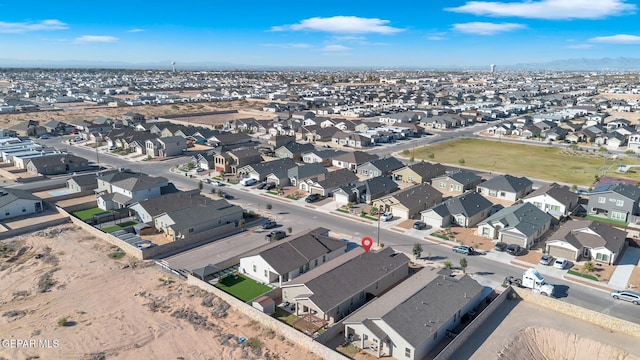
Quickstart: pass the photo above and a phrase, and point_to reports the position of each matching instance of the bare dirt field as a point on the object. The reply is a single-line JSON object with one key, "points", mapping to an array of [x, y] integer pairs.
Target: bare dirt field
{"points": [[64, 298]]}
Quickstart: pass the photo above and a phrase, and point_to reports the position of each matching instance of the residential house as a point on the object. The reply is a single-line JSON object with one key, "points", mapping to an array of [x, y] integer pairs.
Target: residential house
{"points": [[199, 219], [366, 191], [260, 171], [379, 167], [456, 182], [464, 210], [410, 320], [581, 240], [418, 173], [297, 174], [554, 199], [165, 146], [229, 139], [351, 140], [15, 202], [617, 201], [132, 119], [293, 150], [522, 224], [337, 288], [351, 160], [80, 183], [410, 201], [325, 184], [633, 142], [29, 128], [56, 164], [505, 187], [120, 189], [280, 140], [147, 210], [286, 259], [323, 157]]}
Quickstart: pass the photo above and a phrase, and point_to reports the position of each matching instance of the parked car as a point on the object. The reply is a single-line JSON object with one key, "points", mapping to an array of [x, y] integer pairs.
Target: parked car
{"points": [[388, 216], [546, 259], [463, 249], [270, 224], [77, 138], [627, 295], [216, 183], [45, 136], [248, 182], [275, 235], [261, 185], [500, 246], [270, 185], [312, 198], [560, 263], [420, 225], [227, 196], [515, 250]]}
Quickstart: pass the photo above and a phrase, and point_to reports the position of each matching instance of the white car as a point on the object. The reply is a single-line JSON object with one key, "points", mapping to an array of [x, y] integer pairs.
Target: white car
{"points": [[216, 183], [386, 216], [560, 263]]}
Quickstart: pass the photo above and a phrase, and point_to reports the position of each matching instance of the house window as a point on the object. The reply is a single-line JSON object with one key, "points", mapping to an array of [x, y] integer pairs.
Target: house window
{"points": [[537, 204], [602, 200], [24, 209], [555, 208], [190, 230], [502, 194], [443, 185], [324, 258], [619, 215], [6, 213], [266, 273], [255, 269], [493, 193], [619, 202], [362, 295], [316, 262], [407, 352], [458, 188], [485, 231]]}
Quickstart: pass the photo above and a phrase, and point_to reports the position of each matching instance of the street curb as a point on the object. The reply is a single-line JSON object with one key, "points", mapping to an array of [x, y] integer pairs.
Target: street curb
{"points": [[349, 217], [577, 280], [275, 198], [397, 230]]}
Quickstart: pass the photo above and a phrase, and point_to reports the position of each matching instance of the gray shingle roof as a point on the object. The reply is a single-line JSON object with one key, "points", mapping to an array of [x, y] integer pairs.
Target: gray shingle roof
{"points": [[574, 232], [507, 183], [174, 201], [467, 204], [386, 165], [626, 190], [428, 170], [412, 196], [9, 195], [198, 214], [356, 157], [274, 166], [293, 253], [525, 217], [463, 177], [560, 193]]}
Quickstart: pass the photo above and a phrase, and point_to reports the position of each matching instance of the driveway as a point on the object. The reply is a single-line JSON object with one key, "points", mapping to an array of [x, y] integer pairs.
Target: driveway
{"points": [[620, 277]]}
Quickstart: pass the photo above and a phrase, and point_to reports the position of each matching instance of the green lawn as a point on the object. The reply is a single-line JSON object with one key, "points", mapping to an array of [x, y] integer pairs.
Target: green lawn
{"points": [[586, 276], [242, 287], [606, 220], [285, 317], [541, 162], [124, 225], [88, 214]]}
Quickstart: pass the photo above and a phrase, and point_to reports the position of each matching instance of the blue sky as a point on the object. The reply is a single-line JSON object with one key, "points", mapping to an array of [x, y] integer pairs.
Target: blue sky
{"points": [[328, 33]]}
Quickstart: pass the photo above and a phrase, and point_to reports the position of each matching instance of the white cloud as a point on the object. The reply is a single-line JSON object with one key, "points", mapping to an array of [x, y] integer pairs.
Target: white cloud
{"points": [[136, 30], [22, 27], [580, 46], [289, 45], [548, 9], [342, 25], [335, 47], [95, 39], [616, 39], [439, 36], [486, 28]]}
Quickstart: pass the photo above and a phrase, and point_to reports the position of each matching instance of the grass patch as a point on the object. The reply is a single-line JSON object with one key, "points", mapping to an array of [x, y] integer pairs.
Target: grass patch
{"points": [[272, 193], [293, 197], [285, 317], [369, 217], [232, 182], [586, 276], [440, 236], [542, 162], [124, 225], [606, 221], [88, 214], [63, 322], [117, 255], [242, 287], [343, 211]]}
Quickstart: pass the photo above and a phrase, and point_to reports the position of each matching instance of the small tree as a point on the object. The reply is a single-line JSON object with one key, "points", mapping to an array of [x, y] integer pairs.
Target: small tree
{"points": [[431, 156], [448, 264], [412, 159], [63, 321], [574, 187], [464, 264], [289, 229], [417, 251], [200, 185], [242, 223], [405, 152], [219, 192], [222, 172], [461, 162], [373, 211], [269, 206], [429, 256], [589, 266], [280, 189]]}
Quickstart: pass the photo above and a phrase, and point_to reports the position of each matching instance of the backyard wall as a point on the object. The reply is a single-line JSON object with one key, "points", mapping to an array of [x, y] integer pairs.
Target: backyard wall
{"points": [[35, 227], [476, 323], [608, 322], [281, 328]]}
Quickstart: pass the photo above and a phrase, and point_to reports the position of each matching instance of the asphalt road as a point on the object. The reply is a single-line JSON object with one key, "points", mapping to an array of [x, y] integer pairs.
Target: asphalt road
{"points": [[300, 218]]}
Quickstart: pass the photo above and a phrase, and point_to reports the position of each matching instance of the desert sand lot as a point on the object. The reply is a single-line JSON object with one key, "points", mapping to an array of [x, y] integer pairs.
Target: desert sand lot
{"points": [[114, 309]]}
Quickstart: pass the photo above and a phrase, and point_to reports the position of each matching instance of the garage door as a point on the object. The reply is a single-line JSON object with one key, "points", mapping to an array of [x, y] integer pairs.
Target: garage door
{"points": [[401, 213], [316, 191], [341, 198], [557, 251], [510, 239]]}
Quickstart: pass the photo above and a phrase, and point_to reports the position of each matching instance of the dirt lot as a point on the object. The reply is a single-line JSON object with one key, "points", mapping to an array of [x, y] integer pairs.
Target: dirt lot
{"points": [[60, 286]]}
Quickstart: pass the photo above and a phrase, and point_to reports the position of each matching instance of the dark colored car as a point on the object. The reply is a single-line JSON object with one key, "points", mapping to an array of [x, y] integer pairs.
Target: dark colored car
{"points": [[500, 246], [275, 235], [420, 225], [312, 198], [270, 224], [270, 185], [261, 185], [227, 196], [515, 250]]}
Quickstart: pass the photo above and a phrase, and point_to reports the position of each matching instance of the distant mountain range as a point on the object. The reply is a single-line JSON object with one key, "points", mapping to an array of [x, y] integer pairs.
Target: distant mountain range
{"points": [[583, 64]]}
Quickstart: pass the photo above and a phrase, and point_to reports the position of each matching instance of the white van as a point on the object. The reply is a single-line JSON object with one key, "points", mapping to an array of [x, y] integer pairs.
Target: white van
{"points": [[248, 181]]}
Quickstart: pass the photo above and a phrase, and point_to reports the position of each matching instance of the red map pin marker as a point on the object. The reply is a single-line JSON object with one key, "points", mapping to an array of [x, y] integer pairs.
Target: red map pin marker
{"points": [[367, 243]]}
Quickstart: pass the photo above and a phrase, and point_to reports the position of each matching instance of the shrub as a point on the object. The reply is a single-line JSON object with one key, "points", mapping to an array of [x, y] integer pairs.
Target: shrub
{"points": [[289, 229], [448, 264], [269, 206], [63, 321], [589, 266]]}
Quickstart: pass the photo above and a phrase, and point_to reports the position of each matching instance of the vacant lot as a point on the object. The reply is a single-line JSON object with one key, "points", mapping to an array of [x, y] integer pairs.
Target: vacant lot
{"points": [[540, 162]]}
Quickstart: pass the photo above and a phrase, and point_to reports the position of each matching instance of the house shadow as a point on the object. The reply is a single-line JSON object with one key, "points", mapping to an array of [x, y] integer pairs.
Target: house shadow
{"points": [[560, 291], [231, 280]]}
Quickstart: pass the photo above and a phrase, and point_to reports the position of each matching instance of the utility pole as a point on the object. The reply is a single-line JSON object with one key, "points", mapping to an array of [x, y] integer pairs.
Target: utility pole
{"points": [[379, 214], [97, 157]]}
